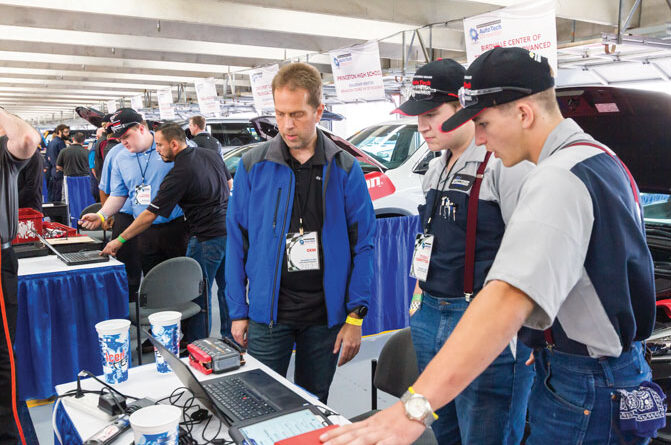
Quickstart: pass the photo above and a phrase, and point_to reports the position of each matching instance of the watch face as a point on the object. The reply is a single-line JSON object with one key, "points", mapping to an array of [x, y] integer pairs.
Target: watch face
{"points": [[416, 408]]}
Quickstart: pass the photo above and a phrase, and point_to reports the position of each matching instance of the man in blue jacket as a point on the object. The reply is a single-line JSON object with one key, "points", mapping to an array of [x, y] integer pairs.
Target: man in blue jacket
{"points": [[300, 232]]}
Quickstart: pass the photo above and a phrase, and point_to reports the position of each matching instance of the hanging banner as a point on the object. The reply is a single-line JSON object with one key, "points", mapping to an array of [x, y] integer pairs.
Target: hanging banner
{"points": [[208, 101], [166, 109], [136, 102], [357, 73], [261, 80], [111, 106], [532, 26]]}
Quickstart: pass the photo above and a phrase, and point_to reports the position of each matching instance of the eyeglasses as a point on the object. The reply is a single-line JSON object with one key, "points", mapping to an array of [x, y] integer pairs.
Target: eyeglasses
{"points": [[425, 92], [469, 98]]}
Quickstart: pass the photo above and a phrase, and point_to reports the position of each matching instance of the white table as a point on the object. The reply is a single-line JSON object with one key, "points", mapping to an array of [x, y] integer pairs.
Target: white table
{"points": [[145, 381], [51, 264]]}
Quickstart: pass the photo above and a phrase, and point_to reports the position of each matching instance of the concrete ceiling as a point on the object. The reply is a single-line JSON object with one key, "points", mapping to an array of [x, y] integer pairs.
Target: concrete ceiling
{"points": [[56, 54]]}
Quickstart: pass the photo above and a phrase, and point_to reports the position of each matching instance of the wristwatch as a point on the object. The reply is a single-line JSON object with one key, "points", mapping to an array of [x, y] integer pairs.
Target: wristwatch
{"points": [[418, 408], [360, 311]]}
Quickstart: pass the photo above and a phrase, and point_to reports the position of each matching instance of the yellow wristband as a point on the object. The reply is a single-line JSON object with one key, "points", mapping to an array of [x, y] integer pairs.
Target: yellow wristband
{"points": [[102, 218], [354, 321]]}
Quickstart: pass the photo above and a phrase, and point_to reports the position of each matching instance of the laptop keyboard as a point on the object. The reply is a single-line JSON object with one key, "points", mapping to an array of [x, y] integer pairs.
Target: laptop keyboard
{"points": [[82, 256], [235, 395]]}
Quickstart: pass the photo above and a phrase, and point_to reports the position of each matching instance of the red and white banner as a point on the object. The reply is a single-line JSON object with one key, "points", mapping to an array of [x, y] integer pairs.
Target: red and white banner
{"points": [[379, 185], [261, 80], [357, 73], [208, 101], [531, 25]]}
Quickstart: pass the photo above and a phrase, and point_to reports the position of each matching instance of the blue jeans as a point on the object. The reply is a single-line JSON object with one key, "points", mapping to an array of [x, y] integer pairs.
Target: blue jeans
{"points": [[571, 401], [211, 255], [492, 409], [315, 360]]}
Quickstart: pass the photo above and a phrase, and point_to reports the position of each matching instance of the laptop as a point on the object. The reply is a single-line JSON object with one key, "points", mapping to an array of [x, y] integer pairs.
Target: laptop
{"points": [[236, 397], [76, 258]]}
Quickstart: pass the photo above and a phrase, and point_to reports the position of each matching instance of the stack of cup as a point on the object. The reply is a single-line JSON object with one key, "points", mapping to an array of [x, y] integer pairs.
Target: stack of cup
{"points": [[114, 338], [156, 424], [165, 327]]}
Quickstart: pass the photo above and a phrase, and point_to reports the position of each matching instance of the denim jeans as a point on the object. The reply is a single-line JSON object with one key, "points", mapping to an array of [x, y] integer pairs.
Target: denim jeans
{"points": [[211, 255], [315, 360], [571, 401], [492, 409]]}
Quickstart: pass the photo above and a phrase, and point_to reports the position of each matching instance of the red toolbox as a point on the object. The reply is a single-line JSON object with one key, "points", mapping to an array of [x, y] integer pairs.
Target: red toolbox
{"points": [[30, 223], [52, 230]]}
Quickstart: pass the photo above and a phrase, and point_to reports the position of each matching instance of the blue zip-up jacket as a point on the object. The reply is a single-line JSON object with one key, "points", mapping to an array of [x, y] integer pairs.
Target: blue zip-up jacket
{"points": [[259, 213]]}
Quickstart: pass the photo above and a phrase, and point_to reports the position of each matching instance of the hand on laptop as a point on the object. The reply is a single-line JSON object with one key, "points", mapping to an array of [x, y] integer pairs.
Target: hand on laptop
{"points": [[112, 248]]}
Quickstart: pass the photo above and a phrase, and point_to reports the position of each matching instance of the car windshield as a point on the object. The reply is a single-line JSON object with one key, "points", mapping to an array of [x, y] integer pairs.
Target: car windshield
{"points": [[391, 145], [656, 208], [234, 133]]}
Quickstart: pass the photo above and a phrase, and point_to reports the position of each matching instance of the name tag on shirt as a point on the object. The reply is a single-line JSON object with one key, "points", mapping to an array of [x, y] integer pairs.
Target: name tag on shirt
{"points": [[302, 251], [421, 257], [462, 182], [143, 194]]}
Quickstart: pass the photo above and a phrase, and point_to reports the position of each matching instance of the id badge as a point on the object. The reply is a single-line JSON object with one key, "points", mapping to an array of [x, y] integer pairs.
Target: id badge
{"points": [[302, 251], [421, 256], [143, 194]]}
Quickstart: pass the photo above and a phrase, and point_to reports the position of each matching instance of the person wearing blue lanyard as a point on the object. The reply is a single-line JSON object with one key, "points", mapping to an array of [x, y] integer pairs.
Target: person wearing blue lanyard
{"points": [[492, 409], [573, 266], [136, 176]]}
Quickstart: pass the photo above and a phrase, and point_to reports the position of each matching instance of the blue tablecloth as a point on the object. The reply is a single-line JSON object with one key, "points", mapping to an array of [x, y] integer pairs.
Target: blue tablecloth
{"points": [[55, 334], [79, 196], [392, 285]]}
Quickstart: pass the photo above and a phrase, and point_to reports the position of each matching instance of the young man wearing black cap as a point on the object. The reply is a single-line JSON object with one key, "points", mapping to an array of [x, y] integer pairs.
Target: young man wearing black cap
{"points": [[573, 262], [137, 174], [492, 409]]}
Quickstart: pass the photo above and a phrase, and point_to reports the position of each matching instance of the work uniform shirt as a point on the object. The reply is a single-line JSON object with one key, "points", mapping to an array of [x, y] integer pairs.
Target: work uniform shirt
{"points": [[74, 161], [198, 182], [576, 246], [205, 140], [447, 205], [301, 297], [106, 176], [9, 194], [132, 170]]}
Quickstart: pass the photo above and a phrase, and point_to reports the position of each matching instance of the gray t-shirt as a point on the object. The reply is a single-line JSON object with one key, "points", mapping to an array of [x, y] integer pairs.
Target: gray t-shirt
{"points": [[74, 160], [9, 192]]}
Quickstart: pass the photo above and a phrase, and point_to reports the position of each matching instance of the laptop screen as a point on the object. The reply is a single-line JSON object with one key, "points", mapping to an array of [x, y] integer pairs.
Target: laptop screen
{"points": [[185, 376]]}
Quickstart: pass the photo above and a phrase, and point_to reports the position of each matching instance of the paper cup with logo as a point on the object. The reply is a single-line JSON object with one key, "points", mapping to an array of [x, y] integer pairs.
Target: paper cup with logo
{"points": [[114, 339], [156, 424], [165, 327]]}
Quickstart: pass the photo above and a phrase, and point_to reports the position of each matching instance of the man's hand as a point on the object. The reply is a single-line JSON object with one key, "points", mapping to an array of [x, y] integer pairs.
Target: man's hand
{"points": [[112, 248], [239, 330], [349, 340], [388, 427], [90, 221]]}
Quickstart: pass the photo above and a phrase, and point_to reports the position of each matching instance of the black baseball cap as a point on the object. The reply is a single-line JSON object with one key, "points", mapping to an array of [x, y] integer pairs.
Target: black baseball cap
{"points": [[433, 84], [123, 119], [499, 76]]}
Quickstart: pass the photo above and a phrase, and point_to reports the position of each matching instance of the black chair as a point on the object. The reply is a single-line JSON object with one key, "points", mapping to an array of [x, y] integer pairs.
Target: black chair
{"points": [[393, 372], [171, 285]]}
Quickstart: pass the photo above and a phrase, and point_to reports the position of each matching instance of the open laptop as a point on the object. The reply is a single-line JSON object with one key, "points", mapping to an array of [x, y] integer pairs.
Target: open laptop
{"points": [[235, 397], [76, 258]]}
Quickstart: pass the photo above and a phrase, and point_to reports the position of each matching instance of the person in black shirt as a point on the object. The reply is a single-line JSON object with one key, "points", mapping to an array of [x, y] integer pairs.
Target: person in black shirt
{"points": [[18, 142], [74, 160], [201, 137], [198, 182], [30, 183]]}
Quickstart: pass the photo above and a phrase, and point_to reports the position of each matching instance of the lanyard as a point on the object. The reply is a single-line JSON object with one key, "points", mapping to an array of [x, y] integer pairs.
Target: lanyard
{"points": [[146, 165], [434, 204], [302, 206]]}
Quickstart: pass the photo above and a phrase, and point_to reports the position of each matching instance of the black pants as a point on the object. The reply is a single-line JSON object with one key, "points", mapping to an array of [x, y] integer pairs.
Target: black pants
{"points": [[129, 254], [161, 242], [10, 266], [55, 188]]}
